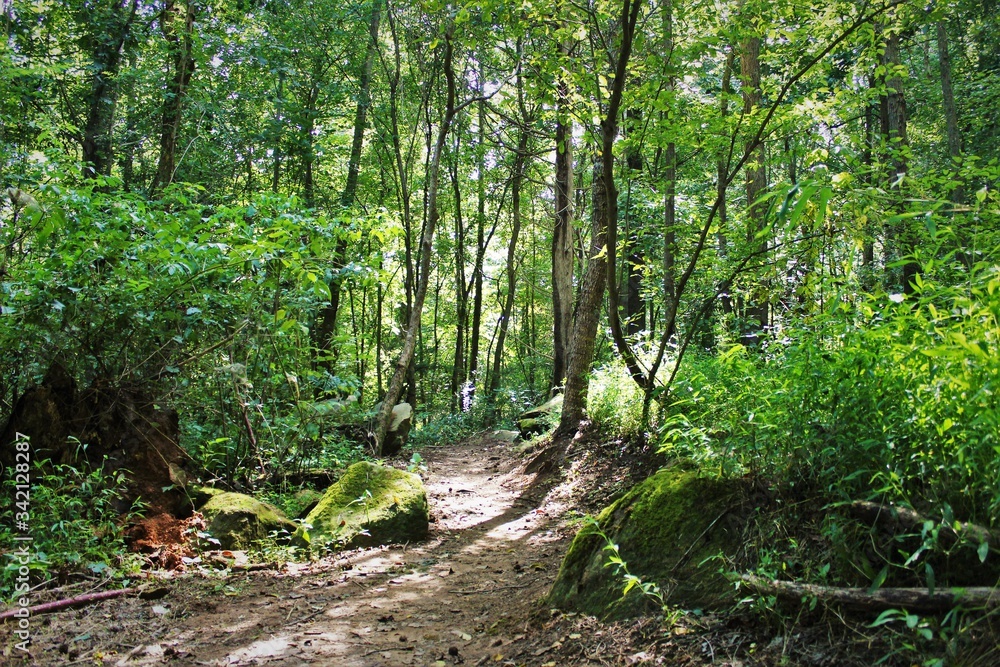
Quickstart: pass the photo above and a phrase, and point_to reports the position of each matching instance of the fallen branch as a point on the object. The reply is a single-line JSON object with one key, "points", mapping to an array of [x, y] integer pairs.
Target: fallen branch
{"points": [[84, 600], [912, 599], [909, 519]]}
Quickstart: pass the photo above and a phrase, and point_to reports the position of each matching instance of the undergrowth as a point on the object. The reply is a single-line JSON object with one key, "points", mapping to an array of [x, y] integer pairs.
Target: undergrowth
{"points": [[75, 529]]}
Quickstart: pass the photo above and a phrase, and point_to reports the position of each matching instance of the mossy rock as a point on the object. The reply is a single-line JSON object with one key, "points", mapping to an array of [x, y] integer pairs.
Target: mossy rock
{"points": [[540, 418], [664, 531], [238, 520], [307, 499], [202, 494], [368, 506]]}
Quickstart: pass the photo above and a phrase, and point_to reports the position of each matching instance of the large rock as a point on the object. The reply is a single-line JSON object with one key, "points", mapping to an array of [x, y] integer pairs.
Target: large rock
{"points": [[368, 506], [539, 418], [238, 520], [399, 429], [667, 529]]}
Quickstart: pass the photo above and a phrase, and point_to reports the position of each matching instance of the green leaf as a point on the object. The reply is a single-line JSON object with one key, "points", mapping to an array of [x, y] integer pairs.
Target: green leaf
{"points": [[879, 579]]}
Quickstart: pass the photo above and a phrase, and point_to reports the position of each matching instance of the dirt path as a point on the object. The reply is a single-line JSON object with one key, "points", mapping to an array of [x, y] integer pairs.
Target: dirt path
{"points": [[465, 596]]}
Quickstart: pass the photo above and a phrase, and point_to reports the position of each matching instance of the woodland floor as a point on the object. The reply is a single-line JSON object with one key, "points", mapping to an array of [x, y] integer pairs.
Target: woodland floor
{"points": [[471, 594]]}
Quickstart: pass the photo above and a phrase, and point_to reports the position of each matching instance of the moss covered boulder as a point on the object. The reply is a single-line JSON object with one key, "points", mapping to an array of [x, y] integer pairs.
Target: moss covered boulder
{"points": [[200, 495], [539, 418], [369, 505], [665, 528], [238, 520]]}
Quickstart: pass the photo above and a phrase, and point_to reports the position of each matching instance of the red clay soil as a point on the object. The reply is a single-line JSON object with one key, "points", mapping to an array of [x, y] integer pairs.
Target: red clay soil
{"points": [[164, 539]]}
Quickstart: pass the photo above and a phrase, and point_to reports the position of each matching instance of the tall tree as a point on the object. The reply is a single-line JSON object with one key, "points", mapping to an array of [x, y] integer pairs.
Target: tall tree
{"points": [[601, 267], [110, 31], [948, 99], [405, 359], [177, 25], [562, 232], [328, 317], [893, 112], [755, 312], [517, 178]]}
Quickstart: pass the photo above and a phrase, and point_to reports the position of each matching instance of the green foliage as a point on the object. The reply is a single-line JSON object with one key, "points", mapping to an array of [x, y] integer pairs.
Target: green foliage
{"points": [[170, 294], [446, 429], [614, 402], [883, 396], [75, 527]]}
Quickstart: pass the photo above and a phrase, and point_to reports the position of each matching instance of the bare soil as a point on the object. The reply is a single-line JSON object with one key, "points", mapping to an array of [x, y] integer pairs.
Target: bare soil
{"points": [[472, 594]]}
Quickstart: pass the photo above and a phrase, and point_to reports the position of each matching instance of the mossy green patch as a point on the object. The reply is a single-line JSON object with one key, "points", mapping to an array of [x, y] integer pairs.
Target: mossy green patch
{"points": [[667, 529], [238, 520], [305, 500], [369, 505], [200, 495]]}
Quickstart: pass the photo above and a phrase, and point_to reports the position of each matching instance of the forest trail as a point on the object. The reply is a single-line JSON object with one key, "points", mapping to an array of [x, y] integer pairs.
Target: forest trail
{"points": [[467, 595]]}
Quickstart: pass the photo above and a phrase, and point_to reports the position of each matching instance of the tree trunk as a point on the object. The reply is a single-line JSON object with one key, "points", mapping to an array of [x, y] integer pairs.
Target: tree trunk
{"points": [[609, 130], [722, 176], [635, 309], [913, 599], [950, 111], [426, 248], [182, 56], [515, 231], [755, 314], [477, 290], [97, 147], [669, 240], [894, 132], [562, 239], [588, 312], [328, 317], [461, 294]]}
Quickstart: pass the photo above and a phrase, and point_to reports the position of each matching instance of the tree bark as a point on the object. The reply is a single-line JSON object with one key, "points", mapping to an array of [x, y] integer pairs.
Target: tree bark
{"points": [[722, 176], [588, 312], [98, 153], [515, 231], [562, 238], [911, 599], [894, 132], [635, 260], [603, 248], [182, 56], [609, 130], [461, 294], [477, 289], [755, 314], [950, 110]]}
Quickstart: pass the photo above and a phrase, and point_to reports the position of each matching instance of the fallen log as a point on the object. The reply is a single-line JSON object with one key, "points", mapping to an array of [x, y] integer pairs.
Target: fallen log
{"points": [[910, 519], [84, 600], [911, 599]]}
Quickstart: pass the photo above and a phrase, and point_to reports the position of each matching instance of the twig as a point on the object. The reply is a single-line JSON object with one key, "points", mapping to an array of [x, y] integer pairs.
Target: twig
{"points": [[307, 617], [489, 590], [387, 648]]}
